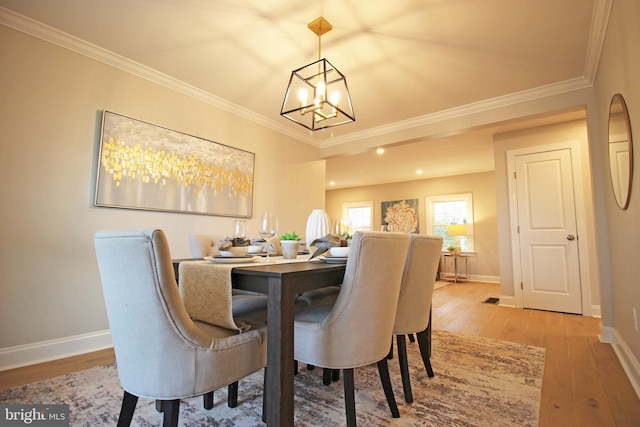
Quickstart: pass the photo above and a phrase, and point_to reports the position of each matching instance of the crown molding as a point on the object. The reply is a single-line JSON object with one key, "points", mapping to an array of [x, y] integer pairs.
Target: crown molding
{"points": [[599, 22], [602, 9], [52, 35], [467, 110]]}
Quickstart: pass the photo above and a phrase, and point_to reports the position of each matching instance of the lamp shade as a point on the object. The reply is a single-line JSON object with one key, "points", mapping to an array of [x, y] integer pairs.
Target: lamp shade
{"points": [[457, 230]]}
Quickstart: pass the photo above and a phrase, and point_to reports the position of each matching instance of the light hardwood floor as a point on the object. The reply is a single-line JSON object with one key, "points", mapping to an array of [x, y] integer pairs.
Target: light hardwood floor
{"points": [[583, 384]]}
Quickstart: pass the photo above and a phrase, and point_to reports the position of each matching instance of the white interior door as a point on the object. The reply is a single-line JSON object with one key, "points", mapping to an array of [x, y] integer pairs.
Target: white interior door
{"points": [[549, 259]]}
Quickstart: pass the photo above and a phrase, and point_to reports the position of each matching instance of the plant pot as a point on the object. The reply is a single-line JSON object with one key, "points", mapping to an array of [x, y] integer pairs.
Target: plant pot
{"points": [[290, 248]]}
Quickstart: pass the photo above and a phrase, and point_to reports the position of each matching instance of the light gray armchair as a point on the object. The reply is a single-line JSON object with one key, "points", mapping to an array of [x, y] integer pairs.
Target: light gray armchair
{"points": [[413, 315], [355, 330], [160, 352]]}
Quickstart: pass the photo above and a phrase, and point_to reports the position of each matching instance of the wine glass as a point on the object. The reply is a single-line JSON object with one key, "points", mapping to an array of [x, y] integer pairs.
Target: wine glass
{"points": [[268, 230], [241, 230], [339, 227]]}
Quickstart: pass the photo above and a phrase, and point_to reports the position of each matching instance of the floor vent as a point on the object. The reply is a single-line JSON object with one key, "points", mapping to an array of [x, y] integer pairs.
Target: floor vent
{"points": [[492, 300]]}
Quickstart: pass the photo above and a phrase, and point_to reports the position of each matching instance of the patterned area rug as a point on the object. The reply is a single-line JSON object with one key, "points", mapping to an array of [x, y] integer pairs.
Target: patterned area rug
{"points": [[478, 382]]}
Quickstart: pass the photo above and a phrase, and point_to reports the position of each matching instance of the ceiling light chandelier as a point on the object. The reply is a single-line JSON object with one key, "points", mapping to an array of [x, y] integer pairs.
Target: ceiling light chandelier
{"points": [[317, 96]]}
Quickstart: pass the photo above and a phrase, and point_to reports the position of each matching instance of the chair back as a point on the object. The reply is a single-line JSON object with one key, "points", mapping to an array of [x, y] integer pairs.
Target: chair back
{"points": [[150, 328], [361, 320], [418, 280]]}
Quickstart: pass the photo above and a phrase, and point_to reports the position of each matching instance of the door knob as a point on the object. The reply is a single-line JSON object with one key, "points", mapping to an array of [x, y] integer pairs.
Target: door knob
{"points": [[571, 237]]}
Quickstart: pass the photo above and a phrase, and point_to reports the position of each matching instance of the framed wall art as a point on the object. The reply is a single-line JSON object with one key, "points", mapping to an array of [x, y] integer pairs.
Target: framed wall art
{"points": [[149, 167], [401, 215]]}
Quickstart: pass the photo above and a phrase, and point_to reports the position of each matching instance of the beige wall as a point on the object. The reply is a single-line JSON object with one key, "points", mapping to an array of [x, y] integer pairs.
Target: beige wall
{"points": [[484, 266], [50, 110], [619, 72]]}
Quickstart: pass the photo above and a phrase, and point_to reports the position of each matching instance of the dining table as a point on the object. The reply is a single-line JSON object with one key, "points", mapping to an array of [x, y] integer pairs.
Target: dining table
{"points": [[281, 281]]}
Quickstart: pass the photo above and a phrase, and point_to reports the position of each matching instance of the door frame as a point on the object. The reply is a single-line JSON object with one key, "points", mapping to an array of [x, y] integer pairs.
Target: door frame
{"points": [[580, 206]]}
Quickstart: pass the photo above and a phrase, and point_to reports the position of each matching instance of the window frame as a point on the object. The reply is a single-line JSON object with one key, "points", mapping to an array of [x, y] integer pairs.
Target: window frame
{"points": [[352, 205], [467, 219]]}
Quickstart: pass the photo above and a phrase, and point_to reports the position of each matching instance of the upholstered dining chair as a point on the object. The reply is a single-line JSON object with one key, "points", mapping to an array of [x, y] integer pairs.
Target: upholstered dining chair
{"points": [[355, 330], [160, 352], [413, 314]]}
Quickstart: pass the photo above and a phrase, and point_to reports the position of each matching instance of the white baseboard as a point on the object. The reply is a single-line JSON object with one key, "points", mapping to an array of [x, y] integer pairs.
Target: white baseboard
{"points": [[44, 351], [627, 359], [507, 301], [484, 279]]}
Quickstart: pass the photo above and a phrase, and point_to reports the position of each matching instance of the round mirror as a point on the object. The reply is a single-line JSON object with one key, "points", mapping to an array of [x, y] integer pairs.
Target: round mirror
{"points": [[620, 150]]}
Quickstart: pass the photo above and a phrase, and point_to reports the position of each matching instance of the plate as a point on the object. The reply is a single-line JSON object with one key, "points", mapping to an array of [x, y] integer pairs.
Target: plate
{"points": [[335, 259], [230, 259]]}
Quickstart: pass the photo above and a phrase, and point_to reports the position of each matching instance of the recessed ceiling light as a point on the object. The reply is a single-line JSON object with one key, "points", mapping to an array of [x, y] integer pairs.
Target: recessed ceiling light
{"points": [[419, 171], [380, 150], [332, 183]]}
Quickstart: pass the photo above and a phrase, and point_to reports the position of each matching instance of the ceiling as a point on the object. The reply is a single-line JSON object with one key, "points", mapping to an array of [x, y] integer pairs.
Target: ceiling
{"points": [[404, 60]]}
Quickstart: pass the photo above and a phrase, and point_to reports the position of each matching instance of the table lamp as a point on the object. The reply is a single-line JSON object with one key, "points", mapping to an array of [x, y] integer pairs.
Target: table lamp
{"points": [[457, 230]]}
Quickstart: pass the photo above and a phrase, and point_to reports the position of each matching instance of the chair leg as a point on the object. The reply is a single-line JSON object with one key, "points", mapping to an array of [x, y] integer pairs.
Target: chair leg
{"points": [[383, 370], [404, 368], [295, 367], [264, 397], [159, 405], [326, 376], [126, 410], [412, 338], [424, 342], [208, 400], [335, 374], [232, 395], [349, 397], [171, 410]]}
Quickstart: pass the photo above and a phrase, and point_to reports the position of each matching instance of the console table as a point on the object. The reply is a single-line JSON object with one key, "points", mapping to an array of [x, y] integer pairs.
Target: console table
{"points": [[451, 266]]}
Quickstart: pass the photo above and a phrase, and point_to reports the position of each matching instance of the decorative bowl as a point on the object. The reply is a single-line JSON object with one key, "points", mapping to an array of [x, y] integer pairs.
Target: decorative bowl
{"points": [[342, 251], [255, 249], [236, 251]]}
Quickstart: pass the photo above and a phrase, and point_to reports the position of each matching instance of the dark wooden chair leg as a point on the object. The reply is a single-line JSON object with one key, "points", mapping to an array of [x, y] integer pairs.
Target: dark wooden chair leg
{"points": [[264, 397], [232, 395], [208, 400], [171, 409], [159, 406], [295, 367], [326, 376], [383, 370], [404, 368], [310, 367], [424, 343], [349, 397], [126, 410], [335, 374], [412, 338]]}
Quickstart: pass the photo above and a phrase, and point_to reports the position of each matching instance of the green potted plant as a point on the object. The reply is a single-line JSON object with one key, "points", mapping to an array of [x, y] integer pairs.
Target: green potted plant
{"points": [[290, 243]]}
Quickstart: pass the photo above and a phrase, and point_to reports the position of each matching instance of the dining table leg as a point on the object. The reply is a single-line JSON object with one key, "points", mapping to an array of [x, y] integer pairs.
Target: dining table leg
{"points": [[280, 356]]}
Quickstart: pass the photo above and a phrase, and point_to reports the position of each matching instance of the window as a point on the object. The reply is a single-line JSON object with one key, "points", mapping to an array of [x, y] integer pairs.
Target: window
{"points": [[359, 215], [443, 211]]}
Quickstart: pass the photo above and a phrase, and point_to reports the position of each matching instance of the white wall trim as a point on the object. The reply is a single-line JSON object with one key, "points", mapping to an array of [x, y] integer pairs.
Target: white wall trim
{"points": [[484, 279], [507, 301], [628, 361], [44, 351]]}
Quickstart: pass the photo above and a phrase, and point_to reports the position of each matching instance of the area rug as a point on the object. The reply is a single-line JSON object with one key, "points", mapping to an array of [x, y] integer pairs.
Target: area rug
{"points": [[478, 382]]}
